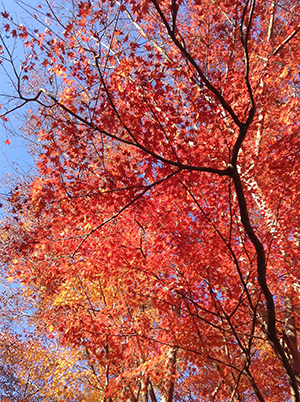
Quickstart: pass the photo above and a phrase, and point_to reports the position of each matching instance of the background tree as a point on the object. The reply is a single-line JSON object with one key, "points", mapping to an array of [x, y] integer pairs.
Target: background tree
{"points": [[34, 367], [161, 234]]}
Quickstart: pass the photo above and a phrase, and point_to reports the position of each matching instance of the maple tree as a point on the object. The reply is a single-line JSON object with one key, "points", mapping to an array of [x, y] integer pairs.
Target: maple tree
{"points": [[32, 367], [161, 234]]}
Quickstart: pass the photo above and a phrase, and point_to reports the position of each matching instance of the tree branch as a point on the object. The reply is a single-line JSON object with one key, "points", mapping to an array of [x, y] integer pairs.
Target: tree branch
{"points": [[192, 61], [261, 275]]}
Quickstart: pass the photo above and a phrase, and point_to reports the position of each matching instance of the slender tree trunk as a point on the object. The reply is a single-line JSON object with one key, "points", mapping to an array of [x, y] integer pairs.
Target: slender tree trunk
{"points": [[172, 363], [151, 392], [290, 340]]}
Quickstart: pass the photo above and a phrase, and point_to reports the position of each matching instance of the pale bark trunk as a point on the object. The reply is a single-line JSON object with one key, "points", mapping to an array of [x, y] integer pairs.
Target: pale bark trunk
{"points": [[171, 386]]}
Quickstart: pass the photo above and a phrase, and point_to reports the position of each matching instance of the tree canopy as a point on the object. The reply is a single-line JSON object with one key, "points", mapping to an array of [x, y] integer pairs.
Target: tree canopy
{"points": [[160, 235]]}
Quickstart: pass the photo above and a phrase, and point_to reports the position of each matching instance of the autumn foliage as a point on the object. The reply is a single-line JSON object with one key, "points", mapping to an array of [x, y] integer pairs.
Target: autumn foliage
{"points": [[160, 235]]}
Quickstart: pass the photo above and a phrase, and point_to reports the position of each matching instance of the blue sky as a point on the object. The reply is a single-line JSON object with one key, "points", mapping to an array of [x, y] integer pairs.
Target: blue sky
{"points": [[15, 161]]}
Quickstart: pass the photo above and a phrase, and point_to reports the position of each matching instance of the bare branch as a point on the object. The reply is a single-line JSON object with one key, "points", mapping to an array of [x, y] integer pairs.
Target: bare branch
{"points": [[286, 41]]}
